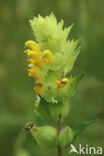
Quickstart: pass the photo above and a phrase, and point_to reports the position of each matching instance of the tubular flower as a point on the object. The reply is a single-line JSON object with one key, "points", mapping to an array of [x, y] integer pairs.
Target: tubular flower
{"points": [[39, 87], [36, 60], [34, 73], [37, 57], [33, 45], [61, 83], [47, 56]]}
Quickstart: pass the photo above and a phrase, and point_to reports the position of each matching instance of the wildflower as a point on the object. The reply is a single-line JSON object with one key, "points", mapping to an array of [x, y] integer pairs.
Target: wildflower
{"points": [[48, 67], [39, 87], [53, 55], [61, 83], [36, 59], [47, 56], [33, 45], [34, 72]]}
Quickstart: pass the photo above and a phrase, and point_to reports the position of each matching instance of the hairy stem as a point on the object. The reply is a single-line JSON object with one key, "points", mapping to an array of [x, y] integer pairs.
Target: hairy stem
{"points": [[58, 132]]}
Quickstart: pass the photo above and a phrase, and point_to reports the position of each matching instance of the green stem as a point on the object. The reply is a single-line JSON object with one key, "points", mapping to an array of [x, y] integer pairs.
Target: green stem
{"points": [[58, 132]]}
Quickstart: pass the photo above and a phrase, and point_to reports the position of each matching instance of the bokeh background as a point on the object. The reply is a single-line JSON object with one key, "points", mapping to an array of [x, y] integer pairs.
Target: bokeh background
{"points": [[16, 88]]}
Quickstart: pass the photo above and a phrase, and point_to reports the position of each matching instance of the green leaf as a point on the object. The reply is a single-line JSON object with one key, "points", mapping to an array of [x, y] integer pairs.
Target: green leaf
{"points": [[77, 129]]}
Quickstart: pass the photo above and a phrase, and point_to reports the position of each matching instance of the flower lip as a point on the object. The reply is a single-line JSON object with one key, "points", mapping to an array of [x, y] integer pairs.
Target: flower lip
{"points": [[39, 87], [31, 44], [61, 83]]}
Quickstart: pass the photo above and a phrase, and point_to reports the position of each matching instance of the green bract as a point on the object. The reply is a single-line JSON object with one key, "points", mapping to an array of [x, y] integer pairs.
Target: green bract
{"points": [[51, 111], [51, 35], [66, 137], [56, 103], [45, 136]]}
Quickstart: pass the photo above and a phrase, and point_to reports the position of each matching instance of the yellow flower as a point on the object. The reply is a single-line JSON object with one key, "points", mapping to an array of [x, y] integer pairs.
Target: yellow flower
{"points": [[34, 72], [39, 87], [33, 45], [36, 60], [37, 57], [47, 56], [31, 61], [61, 83]]}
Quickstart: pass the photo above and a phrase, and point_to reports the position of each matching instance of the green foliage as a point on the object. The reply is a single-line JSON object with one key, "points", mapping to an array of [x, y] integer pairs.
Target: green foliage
{"points": [[77, 129], [63, 94], [22, 152], [51, 111], [69, 134]]}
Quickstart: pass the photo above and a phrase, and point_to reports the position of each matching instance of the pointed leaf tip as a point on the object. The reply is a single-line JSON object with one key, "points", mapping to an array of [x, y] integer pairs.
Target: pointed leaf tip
{"points": [[77, 129]]}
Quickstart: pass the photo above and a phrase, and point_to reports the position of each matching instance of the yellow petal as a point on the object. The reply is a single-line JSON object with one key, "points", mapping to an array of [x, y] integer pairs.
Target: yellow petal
{"points": [[31, 44], [34, 72], [64, 81], [27, 51], [58, 82], [37, 58], [39, 87], [61, 83], [47, 56], [31, 61]]}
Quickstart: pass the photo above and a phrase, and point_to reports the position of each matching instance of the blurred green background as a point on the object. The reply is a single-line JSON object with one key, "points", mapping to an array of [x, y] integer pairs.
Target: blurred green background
{"points": [[16, 88]]}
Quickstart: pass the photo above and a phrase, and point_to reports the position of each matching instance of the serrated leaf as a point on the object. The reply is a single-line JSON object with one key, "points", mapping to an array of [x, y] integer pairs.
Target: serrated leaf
{"points": [[77, 129], [70, 55]]}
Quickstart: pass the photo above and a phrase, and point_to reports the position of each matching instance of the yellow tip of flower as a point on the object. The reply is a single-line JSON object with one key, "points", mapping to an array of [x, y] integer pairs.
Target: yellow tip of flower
{"points": [[39, 87], [34, 72], [61, 83], [27, 51], [47, 56], [35, 57], [64, 80], [31, 44], [57, 81], [31, 61]]}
